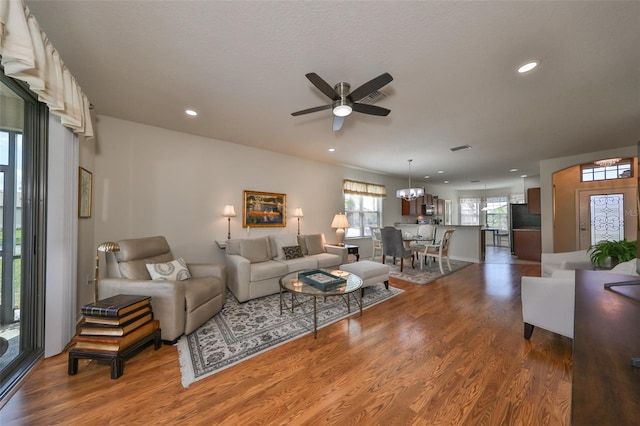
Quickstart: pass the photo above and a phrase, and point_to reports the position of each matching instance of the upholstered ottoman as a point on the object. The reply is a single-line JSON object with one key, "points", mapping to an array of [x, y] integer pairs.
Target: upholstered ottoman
{"points": [[370, 272]]}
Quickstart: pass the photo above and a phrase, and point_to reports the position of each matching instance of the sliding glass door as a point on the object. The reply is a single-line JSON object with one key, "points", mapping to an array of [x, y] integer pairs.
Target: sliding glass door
{"points": [[23, 130]]}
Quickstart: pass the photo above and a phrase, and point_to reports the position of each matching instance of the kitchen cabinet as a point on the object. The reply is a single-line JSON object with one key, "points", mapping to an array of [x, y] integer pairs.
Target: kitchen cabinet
{"points": [[428, 199], [439, 203], [413, 207], [527, 244], [533, 200]]}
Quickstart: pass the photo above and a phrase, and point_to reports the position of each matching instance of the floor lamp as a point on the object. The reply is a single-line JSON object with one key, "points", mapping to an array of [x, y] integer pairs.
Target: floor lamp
{"points": [[298, 213], [229, 212], [339, 223], [106, 247]]}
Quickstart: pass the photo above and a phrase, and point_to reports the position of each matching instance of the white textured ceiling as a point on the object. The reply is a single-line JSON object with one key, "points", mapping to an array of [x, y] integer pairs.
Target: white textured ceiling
{"points": [[242, 66]]}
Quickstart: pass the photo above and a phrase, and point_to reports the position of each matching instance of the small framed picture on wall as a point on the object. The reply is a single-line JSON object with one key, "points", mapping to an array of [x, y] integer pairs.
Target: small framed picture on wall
{"points": [[85, 189]]}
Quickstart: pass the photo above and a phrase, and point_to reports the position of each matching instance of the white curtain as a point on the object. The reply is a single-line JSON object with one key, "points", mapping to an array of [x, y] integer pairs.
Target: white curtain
{"points": [[27, 55], [62, 238]]}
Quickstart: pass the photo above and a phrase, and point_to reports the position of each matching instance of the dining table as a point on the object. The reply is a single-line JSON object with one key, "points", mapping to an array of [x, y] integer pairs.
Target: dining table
{"points": [[408, 239], [494, 232]]}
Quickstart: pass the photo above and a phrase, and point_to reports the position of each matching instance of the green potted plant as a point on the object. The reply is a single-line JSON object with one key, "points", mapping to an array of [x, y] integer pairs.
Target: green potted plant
{"points": [[618, 251]]}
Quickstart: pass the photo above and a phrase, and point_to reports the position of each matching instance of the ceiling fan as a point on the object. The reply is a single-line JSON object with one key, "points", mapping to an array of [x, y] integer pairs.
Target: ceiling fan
{"points": [[343, 101]]}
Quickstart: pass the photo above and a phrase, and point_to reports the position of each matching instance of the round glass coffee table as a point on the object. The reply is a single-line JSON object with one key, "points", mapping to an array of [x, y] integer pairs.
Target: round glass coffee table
{"points": [[297, 286]]}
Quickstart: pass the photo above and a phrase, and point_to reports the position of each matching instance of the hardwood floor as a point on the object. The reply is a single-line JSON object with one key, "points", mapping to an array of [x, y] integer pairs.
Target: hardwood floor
{"points": [[451, 352]]}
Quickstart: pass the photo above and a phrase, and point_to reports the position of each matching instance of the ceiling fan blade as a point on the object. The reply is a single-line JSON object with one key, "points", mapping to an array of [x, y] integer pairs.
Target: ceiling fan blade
{"points": [[337, 122], [370, 109], [310, 110], [370, 87], [323, 86]]}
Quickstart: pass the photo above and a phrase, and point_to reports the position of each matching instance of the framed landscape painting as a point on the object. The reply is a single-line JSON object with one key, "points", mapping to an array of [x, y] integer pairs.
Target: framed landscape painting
{"points": [[264, 209]]}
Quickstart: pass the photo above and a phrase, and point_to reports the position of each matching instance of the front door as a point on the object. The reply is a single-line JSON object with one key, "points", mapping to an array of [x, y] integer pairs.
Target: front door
{"points": [[609, 214]]}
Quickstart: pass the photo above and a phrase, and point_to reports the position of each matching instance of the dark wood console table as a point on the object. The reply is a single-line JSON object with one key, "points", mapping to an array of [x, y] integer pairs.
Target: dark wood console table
{"points": [[605, 388]]}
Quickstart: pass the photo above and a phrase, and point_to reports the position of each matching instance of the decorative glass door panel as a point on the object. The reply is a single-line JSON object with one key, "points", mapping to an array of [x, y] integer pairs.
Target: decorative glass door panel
{"points": [[609, 214], [607, 217]]}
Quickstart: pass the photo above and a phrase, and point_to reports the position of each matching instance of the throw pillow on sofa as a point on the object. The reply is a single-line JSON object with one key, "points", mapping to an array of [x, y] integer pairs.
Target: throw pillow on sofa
{"points": [[292, 252], [282, 241], [303, 244], [175, 270], [315, 244], [255, 249]]}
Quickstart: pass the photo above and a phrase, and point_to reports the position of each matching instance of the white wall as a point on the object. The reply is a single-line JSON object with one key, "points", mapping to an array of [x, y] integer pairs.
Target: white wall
{"points": [[548, 167], [151, 181]]}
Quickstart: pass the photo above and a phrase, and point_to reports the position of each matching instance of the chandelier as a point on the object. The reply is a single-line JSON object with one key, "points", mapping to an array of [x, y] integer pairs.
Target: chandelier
{"points": [[607, 162], [409, 193]]}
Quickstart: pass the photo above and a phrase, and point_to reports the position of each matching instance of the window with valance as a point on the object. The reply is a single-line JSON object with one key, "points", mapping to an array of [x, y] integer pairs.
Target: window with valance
{"points": [[363, 207], [364, 188]]}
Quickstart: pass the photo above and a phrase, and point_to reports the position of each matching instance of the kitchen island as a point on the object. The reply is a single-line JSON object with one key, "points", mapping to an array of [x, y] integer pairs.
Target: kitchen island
{"points": [[527, 244]]}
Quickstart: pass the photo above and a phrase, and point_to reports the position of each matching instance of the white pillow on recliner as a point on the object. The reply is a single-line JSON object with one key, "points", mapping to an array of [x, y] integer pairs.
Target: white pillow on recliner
{"points": [[176, 270]]}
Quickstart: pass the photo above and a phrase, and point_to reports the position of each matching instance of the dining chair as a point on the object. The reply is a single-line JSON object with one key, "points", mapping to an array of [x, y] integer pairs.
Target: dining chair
{"points": [[393, 245], [502, 233], [427, 235], [376, 240], [439, 251]]}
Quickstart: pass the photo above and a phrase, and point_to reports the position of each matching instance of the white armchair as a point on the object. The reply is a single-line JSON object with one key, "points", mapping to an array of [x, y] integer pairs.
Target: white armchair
{"points": [[548, 302], [570, 260]]}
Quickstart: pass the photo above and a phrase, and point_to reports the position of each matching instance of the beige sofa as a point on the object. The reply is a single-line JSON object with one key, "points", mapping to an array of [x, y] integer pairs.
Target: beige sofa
{"points": [[254, 266], [181, 305]]}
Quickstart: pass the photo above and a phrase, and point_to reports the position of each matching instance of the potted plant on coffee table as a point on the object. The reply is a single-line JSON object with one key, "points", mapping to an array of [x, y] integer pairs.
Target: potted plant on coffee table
{"points": [[617, 251]]}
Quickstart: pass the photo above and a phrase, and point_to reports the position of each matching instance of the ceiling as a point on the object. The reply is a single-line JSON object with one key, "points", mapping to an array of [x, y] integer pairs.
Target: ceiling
{"points": [[242, 66]]}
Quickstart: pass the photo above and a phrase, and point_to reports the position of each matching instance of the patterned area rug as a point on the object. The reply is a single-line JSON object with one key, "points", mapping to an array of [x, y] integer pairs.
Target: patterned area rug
{"points": [[425, 275], [243, 330]]}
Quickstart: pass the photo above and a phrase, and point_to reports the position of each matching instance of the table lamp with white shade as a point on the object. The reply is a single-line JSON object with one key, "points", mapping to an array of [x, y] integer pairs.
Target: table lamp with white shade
{"points": [[339, 223]]}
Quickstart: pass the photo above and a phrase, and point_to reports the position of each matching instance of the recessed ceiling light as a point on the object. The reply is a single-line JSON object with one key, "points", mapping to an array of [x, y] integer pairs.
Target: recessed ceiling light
{"points": [[513, 170], [440, 171], [427, 177], [523, 176], [446, 181], [190, 112], [332, 150], [528, 66]]}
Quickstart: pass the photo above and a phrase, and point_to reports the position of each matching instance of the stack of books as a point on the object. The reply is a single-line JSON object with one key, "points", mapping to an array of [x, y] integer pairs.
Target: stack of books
{"points": [[115, 323]]}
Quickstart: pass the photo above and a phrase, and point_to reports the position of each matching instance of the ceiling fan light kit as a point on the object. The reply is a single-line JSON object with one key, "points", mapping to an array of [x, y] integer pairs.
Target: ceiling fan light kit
{"points": [[345, 102], [341, 108]]}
